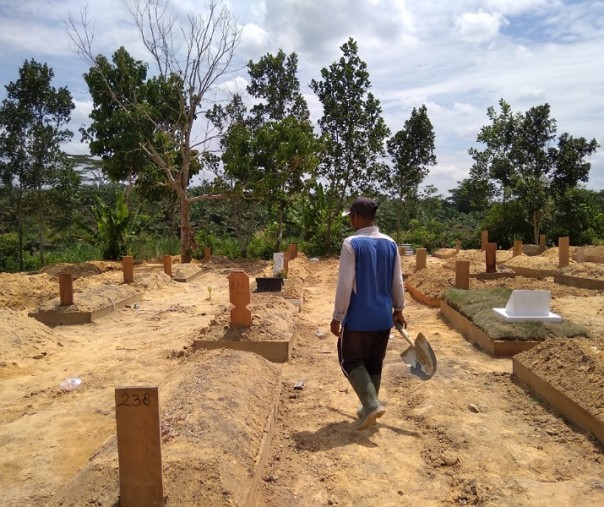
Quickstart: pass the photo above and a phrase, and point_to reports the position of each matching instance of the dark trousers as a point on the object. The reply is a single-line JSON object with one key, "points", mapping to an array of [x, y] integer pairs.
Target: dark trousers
{"points": [[362, 348]]}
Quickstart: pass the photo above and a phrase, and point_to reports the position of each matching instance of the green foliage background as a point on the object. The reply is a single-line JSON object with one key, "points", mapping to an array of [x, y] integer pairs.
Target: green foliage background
{"points": [[279, 181]]}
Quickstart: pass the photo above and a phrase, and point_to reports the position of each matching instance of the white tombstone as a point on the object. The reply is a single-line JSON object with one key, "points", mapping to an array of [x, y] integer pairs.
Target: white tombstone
{"points": [[526, 305], [278, 263]]}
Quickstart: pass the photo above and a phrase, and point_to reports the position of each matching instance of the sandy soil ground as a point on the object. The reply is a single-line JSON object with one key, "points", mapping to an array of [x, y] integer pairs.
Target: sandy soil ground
{"points": [[469, 436]]}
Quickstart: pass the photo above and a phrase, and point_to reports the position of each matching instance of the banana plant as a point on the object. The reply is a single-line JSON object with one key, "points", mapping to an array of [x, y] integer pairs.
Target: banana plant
{"points": [[114, 227]]}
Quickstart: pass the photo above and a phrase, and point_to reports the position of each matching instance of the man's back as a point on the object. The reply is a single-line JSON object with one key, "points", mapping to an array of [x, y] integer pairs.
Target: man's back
{"points": [[375, 257]]}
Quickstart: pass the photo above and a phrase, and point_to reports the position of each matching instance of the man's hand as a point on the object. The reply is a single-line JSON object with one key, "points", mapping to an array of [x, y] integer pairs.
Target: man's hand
{"points": [[335, 327], [397, 316]]}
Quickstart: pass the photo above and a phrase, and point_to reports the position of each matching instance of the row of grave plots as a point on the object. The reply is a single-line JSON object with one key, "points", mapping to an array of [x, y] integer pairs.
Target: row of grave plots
{"points": [[221, 381], [568, 373]]}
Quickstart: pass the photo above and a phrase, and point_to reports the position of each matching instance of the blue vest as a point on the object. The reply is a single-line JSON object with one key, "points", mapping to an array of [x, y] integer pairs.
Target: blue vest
{"points": [[370, 306]]}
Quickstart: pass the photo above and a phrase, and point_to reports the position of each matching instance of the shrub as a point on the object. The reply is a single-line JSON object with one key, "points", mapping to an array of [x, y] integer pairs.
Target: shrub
{"points": [[9, 252], [145, 246]]}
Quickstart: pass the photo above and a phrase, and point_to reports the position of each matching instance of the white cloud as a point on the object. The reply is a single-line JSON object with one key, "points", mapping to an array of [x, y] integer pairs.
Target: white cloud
{"points": [[517, 7], [236, 85], [254, 36], [480, 26], [82, 111], [16, 35]]}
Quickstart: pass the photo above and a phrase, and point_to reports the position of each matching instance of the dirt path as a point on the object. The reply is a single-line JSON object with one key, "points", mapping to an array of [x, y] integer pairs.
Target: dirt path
{"points": [[469, 436]]}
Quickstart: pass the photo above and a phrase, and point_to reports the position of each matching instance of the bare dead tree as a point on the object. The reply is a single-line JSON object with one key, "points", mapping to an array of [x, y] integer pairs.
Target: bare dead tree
{"points": [[199, 50]]}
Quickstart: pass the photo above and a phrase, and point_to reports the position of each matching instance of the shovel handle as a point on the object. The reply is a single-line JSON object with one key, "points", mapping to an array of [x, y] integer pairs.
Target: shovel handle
{"points": [[404, 333]]}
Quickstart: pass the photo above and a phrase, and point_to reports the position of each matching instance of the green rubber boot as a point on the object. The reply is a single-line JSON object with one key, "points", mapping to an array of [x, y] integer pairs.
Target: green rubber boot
{"points": [[377, 380], [361, 382]]}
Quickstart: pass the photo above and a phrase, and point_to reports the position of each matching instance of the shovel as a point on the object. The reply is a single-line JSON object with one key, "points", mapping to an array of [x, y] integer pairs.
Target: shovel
{"points": [[419, 357]]}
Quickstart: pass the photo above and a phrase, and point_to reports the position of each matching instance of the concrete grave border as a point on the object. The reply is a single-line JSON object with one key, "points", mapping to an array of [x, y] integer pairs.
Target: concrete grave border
{"points": [[533, 273], [568, 408], [188, 278], [276, 351], [420, 297], [65, 317], [580, 282]]}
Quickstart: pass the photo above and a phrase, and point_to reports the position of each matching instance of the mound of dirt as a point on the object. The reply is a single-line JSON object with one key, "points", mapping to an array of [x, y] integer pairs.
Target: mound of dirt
{"points": [[592, 270], [183, 271], [83, 269], [574, 367], [92, 299], [152, 280], [273, 318], [22, 337], [20, 291], [548, 260], [597, 251], [213, 414]]}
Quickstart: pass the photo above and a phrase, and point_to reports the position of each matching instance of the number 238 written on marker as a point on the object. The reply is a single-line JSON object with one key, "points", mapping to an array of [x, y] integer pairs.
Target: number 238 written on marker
{"points": [[134, 400]]}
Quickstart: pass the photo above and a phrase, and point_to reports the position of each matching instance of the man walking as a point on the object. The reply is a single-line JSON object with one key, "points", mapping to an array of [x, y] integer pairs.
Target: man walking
{"points": [[369, 298]]}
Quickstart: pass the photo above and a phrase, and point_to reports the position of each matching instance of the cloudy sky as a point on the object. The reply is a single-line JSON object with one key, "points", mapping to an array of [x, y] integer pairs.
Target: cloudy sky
{"points": [[456, 57]]}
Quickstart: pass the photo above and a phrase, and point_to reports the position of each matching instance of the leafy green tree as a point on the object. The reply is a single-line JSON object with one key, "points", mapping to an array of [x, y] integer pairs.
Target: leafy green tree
{"points": [[506, 222], [579, 215], [235, 140], [284, 145], [521, 156], [477, 192], [285, 152], [269, 152], [354, 129], [274, 81], [119, 128], [190, 59], [496, 161], [412, 152], [33, 117]]}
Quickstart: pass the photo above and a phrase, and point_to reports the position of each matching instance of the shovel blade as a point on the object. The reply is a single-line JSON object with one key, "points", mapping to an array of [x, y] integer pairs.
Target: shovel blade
{"points": [[420, 359]]}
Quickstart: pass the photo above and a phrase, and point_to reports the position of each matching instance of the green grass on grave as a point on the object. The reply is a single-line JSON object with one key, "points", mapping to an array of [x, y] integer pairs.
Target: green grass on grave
{"points": [[477, 306]]}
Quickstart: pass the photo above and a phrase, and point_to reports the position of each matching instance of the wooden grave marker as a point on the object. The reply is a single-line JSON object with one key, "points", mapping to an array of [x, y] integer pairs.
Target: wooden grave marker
{"points": [[420, 258], [563, 251], [66, 289], [139, 446], [462, 275], [239, 296], [168, 265], [128, 268], [491, 258], [484, 239]]}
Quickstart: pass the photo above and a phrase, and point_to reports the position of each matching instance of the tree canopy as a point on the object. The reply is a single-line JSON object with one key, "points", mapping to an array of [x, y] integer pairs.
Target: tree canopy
{"points": [[33, 119], [521, 156], [190, 58], [354, 131], [412, 152]]}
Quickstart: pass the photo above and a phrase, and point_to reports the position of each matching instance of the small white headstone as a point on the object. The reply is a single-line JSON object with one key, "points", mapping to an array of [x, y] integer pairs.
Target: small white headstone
{"points": [[526, 305], [278, 263]]}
